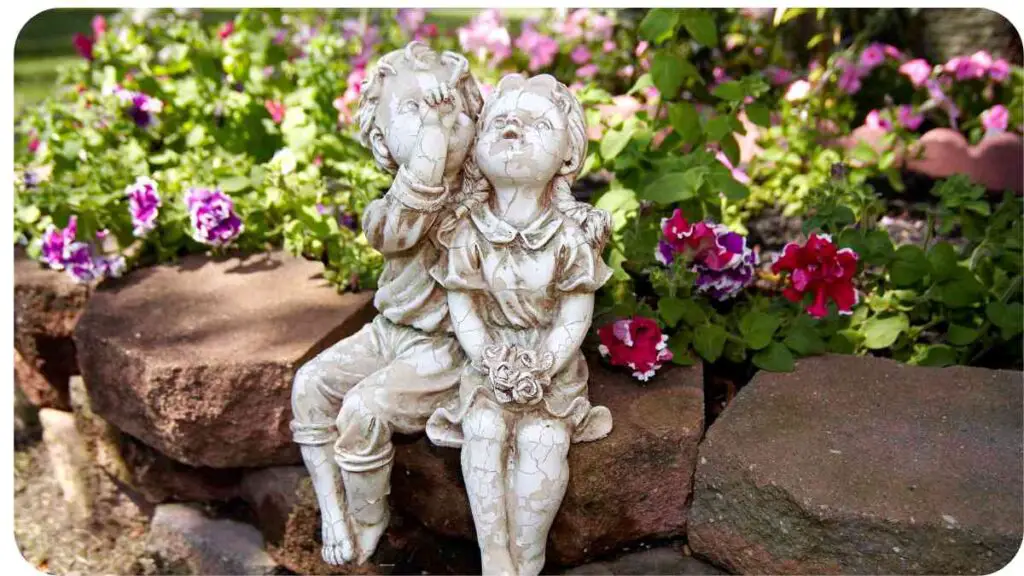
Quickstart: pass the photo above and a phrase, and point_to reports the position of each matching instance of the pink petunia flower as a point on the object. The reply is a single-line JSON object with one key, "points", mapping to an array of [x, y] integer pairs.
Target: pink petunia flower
{"points": [[875, 119], [871, 56], [908, 118], [798, 91], [995, 119], [918, 70], [999, 70], [580, 55], [588, 71]]}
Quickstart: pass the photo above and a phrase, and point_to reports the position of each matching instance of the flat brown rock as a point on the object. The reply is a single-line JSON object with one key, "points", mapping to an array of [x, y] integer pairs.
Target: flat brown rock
{"points": [[196, 358], [631, 486], [47, 305], [864, 466]]}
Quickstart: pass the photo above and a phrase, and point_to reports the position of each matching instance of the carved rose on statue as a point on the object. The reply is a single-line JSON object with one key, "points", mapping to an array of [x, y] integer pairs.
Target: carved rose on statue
{"points": [[516, 376]]}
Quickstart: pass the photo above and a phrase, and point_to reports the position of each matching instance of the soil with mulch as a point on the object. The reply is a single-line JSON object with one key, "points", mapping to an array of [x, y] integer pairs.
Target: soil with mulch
{"points": [[111, 542]]}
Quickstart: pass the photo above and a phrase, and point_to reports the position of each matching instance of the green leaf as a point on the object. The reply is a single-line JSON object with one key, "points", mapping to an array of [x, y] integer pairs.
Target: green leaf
{"points": [[805, 342], [195, 136], [693, 314], [670, 310], [701, 27], [775, 358], [685, 121], [942, 258], [717, 127], [708, 341], [961, 335], [936, 355], [235, 184], [882, 332], [961, 292], [759, 115], [615, 141], [676, 186], [642, 83], [845, 341], [909, 266], [731, 90], [668, 72], [659, 24], [757, 328], [731, 149], [620, 203], [978, 207], [29, 214], [734, 191], [1009, 317], [679, 346]]}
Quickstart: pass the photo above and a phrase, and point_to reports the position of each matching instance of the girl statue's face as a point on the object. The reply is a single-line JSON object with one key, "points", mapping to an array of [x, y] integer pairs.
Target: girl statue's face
{"points": [[524, 138]]}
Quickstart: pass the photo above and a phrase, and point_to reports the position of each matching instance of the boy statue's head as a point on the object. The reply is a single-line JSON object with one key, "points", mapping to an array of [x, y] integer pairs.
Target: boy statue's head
{"points": [[391, 104]]}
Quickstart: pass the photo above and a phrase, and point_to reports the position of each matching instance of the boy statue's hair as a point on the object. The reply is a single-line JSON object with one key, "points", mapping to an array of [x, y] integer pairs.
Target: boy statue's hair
{"points": [[415, 56]]}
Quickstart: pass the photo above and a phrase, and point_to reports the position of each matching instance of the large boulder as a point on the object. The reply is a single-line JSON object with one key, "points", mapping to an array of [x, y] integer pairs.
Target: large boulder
{"points": [[188, 541], [47, 305], [631, 486], [196, 358], [864, 466]]}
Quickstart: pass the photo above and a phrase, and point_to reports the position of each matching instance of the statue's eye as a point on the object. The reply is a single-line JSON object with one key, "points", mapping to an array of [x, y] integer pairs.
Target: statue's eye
{"points": [[498, 122], [409, 105], [543, 124]]}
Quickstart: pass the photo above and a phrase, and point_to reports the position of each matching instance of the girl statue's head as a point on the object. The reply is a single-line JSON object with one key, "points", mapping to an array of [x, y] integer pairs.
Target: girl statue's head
{"points": [[532, 131]]}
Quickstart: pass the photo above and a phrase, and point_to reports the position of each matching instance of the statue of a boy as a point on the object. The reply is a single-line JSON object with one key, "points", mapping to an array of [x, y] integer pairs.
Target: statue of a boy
{"points": [[417, 114]]}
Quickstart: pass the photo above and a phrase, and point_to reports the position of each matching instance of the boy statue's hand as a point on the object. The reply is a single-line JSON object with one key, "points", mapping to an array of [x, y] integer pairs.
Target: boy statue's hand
{"points": [[442, 105]]}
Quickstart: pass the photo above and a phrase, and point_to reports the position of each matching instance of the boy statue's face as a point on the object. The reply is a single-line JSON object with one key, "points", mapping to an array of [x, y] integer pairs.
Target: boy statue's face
{"points": [[400, 115]]}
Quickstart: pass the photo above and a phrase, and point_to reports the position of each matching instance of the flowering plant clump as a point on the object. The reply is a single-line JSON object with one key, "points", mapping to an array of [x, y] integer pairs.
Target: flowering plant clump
{"points": [[62, 251], [636, 343]]}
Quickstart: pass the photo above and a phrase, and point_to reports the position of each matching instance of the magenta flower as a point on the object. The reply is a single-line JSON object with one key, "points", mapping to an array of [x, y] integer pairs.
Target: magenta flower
{"points": [[893, 52], [213, 217], [995, 119], [908, 118], [872, 56], [109, 266], [486, 35], [626, 71], [226, 29], [143, 204], [875, 119], [56, 241], [580, 55], [918, 70], [982, 60], [83, 45], [999, 70], [778, 76], [99, 26], [541, 48], [588, 71], [849, 79], [723, 262], [600, 27], [964, 68]]}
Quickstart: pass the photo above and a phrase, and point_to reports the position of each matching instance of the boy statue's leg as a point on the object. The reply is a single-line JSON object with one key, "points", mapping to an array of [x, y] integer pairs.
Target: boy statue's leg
{"points": [[400, 397], [317, 393]]}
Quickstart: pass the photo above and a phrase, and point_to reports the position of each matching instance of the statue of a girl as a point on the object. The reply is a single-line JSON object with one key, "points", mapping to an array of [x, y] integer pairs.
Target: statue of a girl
{"points": [[521, 264]]}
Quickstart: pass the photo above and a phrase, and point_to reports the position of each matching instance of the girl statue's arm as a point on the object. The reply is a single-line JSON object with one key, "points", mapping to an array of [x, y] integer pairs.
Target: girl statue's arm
{"points": [[569, 328]]}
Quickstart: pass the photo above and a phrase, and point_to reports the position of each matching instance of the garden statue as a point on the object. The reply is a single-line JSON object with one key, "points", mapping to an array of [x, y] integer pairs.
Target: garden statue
{"points": [[486, 295], [520, 270], [417, 115]]}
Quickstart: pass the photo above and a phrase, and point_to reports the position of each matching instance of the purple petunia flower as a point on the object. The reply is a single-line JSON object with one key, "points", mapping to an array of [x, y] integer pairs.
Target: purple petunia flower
{"points": [[141, 108], [144, 205], [727, 282], [213, 217], [348, 220], [55, 241]]}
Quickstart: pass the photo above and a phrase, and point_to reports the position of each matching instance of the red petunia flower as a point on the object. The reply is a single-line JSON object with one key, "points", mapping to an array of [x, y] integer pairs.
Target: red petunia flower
{"points": [[276, 110], [226, 29], [83, 44], [819, 268], [637, 343]]}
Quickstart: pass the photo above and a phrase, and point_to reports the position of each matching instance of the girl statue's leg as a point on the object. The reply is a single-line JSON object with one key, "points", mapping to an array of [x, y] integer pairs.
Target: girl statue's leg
{"points": [[541, 475], [484, 458]]}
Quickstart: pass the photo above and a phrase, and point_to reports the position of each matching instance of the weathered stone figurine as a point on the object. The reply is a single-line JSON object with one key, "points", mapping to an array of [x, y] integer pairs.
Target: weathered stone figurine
{"points": [[417, 114], [520, 272]]}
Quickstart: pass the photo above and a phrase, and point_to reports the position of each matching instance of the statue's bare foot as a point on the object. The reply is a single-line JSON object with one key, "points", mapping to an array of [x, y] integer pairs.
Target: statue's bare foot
{"points": [[368, 536], [338, 545]]}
